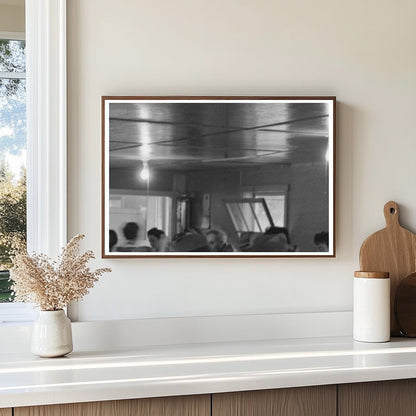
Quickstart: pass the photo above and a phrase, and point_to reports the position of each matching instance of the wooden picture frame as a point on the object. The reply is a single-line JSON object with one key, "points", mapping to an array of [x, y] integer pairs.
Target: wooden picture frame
{"points": [[214, 176]]}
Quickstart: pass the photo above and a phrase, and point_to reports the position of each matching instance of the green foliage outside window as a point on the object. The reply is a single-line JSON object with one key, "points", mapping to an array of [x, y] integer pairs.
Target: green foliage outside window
{"points": [[12, 148], [12, 224]]}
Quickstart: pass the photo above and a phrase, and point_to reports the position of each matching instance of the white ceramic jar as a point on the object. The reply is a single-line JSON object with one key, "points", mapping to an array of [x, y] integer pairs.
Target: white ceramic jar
{"points": [[52, 334], [371, 307]]}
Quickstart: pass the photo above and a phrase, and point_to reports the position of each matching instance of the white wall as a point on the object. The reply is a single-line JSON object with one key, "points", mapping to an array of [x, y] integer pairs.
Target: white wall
{"points": [[361, 51]]}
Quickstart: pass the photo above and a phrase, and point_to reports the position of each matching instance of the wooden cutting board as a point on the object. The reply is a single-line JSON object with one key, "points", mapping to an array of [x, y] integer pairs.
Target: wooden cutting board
{"points": [[392, 250]]}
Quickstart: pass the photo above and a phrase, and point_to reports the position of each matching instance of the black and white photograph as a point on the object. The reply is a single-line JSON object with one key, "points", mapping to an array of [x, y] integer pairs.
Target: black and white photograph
{"points": [[218, 176]]}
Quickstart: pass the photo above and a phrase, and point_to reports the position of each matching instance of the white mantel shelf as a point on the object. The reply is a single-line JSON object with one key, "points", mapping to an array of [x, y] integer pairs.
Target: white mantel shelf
{"points": [[148, 371]]}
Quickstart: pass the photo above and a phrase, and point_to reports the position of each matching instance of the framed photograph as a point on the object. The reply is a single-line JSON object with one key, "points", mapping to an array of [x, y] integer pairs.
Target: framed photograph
{"points": [[218, 177]]}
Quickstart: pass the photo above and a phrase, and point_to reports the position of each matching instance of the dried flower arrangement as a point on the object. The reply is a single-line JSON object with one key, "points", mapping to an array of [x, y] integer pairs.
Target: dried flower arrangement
{"points": [[52, 285]]}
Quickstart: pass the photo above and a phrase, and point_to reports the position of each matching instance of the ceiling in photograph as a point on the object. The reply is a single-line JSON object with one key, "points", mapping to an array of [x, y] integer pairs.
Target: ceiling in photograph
{"points": [[187, 136]]}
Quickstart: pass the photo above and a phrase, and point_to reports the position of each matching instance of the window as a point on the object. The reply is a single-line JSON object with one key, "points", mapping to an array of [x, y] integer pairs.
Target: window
{"points": [[249, 214], [46, 135], [276, 203], [258, 209], [147, 211], [12, 155], [276, 199]]}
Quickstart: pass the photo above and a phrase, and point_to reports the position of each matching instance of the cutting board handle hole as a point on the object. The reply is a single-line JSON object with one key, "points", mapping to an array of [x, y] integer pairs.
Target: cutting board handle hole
{"points": [[392, 211]]}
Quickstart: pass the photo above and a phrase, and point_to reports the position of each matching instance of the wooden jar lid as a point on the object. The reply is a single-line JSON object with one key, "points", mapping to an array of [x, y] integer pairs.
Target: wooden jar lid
{"points": [[372, 275]]}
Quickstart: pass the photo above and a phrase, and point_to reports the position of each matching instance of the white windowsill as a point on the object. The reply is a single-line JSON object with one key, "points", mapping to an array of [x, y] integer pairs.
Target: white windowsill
{"points": [[16, 313]]}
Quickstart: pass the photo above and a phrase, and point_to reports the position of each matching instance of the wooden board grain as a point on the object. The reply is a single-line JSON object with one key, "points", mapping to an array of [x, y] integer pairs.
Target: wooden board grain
{"points": [[5, 412], [299, 401], [161, 406], [381, 398], [392, 250]]}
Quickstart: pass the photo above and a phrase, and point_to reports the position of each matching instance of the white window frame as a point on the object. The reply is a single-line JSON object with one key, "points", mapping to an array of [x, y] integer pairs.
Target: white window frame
{"points": [[12, 35], [46, 134], [46, 125]]}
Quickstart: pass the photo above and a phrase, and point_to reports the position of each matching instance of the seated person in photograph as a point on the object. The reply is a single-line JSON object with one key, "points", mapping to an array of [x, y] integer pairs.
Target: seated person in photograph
{"points": [[131, 231], [321, 241], [275, 239], [190, 241], [113, 240], [246, 240], [158, 240], [217, 242]]}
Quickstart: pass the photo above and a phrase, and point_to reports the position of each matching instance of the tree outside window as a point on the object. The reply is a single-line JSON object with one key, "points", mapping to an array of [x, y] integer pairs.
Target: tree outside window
{"points": [[12, 156]]}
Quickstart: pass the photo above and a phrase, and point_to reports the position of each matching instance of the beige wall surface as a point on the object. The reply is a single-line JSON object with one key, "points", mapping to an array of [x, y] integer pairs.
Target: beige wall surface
{"points": [[360, 51], [12, 18]]}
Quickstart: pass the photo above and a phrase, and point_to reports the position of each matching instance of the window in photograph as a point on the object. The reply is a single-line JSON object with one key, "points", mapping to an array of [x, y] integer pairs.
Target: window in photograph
{"points": [[276, 204], [132, 216], [249, 215]]}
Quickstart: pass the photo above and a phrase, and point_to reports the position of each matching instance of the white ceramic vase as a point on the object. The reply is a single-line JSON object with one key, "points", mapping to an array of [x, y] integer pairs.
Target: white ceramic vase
{"points": [[52, 334]]}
